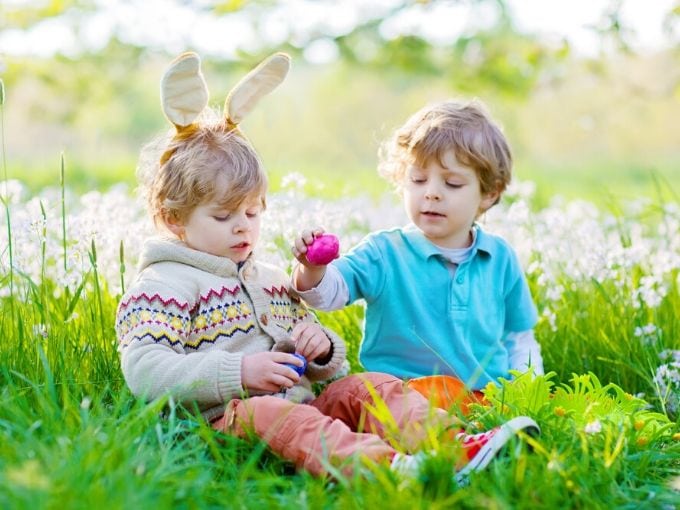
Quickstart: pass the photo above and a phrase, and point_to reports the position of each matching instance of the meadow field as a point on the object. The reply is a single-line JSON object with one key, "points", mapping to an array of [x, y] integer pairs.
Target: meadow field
{"points": [[606, 285], [593, 212]]}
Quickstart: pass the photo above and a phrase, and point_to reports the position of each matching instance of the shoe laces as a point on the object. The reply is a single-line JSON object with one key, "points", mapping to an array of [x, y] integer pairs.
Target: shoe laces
{"points": [[479, 438]]}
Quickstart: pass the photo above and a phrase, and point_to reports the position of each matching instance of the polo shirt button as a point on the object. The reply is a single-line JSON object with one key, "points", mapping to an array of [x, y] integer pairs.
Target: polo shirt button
{"points": [[263, 319], [459, 279]]}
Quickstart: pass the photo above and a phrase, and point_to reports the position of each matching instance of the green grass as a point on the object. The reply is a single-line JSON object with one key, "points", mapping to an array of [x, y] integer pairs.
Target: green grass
{"points": [[72, 436], [602, 182]]}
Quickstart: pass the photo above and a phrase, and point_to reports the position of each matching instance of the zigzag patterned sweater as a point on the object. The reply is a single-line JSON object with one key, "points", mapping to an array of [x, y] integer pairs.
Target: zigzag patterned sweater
{"points": [[190, 317]]}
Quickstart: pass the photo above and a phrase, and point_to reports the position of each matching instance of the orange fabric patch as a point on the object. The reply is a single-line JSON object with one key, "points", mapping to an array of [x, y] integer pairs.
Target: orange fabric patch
{"points": [[445, 391]]}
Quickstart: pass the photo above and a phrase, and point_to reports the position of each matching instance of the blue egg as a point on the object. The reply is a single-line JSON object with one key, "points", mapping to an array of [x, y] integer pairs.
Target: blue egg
{"points": [[300, 370]]}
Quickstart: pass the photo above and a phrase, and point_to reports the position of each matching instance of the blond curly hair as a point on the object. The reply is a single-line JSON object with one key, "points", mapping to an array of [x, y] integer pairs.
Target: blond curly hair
{"points": [[462, 127], [214, 163]]}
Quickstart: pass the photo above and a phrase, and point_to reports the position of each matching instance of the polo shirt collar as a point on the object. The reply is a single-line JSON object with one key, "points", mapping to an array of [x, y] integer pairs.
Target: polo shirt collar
{"points": [[426, 249]]}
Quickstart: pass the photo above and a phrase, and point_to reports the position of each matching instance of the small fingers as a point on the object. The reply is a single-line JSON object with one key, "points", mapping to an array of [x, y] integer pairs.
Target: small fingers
{"points": [[307, 236], [310, 340], [284, 377], [301, 336], [318, 351], [300, 245]]}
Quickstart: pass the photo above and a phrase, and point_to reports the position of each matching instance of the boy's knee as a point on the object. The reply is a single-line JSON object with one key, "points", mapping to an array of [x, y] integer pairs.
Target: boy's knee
{"points": [[367, 382], [244, 415], [376, 379]]}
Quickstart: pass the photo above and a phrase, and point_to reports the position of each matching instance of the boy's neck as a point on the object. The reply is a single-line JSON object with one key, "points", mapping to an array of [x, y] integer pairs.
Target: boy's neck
{"points": [[466, 242]]}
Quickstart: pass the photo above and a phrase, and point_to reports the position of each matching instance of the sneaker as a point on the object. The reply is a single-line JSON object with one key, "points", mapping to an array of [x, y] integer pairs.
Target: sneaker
{"points": [[407, 466], [481, 449]]}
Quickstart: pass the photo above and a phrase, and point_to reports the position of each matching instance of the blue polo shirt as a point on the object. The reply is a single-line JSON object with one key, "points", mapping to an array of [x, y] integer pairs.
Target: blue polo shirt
{"points": [[422, 321]]}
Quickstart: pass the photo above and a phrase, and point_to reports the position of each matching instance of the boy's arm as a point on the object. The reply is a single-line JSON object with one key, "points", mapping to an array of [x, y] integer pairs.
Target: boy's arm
{"points": [[307, 277], [524, 352], [520, 319], [359, 274], [331, 293], [326, 366], [153, 369], [152, 331]]}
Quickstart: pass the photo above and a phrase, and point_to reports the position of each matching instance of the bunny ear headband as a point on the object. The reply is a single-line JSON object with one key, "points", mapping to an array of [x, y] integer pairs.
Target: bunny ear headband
{"points": [[184, 93]]}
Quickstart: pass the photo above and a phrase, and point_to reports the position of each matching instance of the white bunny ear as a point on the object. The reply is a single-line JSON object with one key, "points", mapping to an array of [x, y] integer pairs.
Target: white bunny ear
{"points": [[184, 93], [256, 84]]}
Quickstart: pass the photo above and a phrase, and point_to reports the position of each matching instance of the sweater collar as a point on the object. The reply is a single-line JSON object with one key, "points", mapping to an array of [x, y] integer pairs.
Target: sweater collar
{"points": [[426, 248], [160, 249]]}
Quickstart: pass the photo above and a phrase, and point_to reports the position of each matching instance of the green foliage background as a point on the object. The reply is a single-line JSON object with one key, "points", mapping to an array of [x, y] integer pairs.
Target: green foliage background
{"points": [[601, 128]]}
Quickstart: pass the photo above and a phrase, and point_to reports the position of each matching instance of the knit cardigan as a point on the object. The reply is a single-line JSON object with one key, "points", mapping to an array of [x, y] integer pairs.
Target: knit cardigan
{"points": [[189, 318]]}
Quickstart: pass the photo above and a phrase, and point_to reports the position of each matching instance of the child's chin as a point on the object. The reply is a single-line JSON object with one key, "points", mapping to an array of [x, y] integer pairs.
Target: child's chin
{"points": [[241, 257]]}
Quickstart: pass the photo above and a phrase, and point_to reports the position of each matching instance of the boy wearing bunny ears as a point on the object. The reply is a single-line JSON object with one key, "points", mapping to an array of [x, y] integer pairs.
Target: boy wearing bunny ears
{"points": [[203, 314]]}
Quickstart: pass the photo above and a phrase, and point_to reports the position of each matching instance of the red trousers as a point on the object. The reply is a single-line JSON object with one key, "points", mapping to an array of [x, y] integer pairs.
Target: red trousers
{"points": [[366, 414]]}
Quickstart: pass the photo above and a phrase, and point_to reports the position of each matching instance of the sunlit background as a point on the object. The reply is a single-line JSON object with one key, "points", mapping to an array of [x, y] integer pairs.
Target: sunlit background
{"points": [[587, 90]]}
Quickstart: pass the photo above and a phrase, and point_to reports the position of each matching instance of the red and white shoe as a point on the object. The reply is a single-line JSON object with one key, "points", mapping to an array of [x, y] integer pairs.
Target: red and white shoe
{"points": [[482, 448], [479, 449]]}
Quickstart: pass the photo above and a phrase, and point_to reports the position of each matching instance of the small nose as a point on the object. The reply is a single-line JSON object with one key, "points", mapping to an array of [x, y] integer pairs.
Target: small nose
{"points": [[241, 225], [432, 192]]}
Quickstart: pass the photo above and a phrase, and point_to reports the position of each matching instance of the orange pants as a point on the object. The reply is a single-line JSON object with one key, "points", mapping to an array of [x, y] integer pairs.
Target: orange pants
{"points": [[445, 391], [337, 424]]}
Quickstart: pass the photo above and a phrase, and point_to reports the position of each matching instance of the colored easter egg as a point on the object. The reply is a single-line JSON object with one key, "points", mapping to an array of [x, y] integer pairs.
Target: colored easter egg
{"points": [[323, 250]]}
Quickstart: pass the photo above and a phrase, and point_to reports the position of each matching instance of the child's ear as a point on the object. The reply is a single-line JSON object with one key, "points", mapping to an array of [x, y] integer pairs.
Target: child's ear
{"points": [[173, 224], [488, 200]]}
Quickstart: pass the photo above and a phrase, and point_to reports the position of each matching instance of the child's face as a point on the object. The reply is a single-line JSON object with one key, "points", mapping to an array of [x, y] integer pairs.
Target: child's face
{"points": [[211, 228], [444, 201]]}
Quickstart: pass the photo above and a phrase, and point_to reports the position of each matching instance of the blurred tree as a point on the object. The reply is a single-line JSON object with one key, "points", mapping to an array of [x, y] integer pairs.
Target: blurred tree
{"points": [[109, 91], [491, 56], [24, 15]]}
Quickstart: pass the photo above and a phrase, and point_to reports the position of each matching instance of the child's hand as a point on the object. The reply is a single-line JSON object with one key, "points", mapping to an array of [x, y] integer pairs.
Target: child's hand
{"points": [[310, 340], [307, 275], [265, 371], [301, 243]]}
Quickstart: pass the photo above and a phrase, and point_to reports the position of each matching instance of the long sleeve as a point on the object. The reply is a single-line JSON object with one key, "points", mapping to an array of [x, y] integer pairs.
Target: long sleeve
{"points": [[152, 324], [330, 294], [524, 352], [316, 370]]}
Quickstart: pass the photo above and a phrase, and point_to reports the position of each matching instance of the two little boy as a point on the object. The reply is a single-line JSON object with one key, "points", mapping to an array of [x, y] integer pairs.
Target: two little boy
{"points": [[203, 315]]}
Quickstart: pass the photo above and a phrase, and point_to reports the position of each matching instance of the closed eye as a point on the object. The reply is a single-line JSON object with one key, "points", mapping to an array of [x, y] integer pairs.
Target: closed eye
{"points": [[454, 185], [221, 218]]}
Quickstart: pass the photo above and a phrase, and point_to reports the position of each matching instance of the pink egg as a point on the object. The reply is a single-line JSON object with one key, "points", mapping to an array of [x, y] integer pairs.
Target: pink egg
{"points": [[323, 250]]}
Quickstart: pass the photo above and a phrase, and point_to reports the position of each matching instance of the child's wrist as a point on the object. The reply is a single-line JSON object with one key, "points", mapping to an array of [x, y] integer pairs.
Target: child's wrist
{"points": [[308, 277]]}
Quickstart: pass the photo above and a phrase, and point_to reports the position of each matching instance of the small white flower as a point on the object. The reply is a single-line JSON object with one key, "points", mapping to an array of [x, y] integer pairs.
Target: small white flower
{"points": [[555, 292], [593, 427], [40, 330], [293, 180], [551, 317]]}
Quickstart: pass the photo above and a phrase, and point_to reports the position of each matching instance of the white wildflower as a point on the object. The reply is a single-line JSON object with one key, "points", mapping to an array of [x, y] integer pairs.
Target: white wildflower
{"points": [[667, 380], [551, 317], [293, 180], [593, 427], [40, 330]]}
